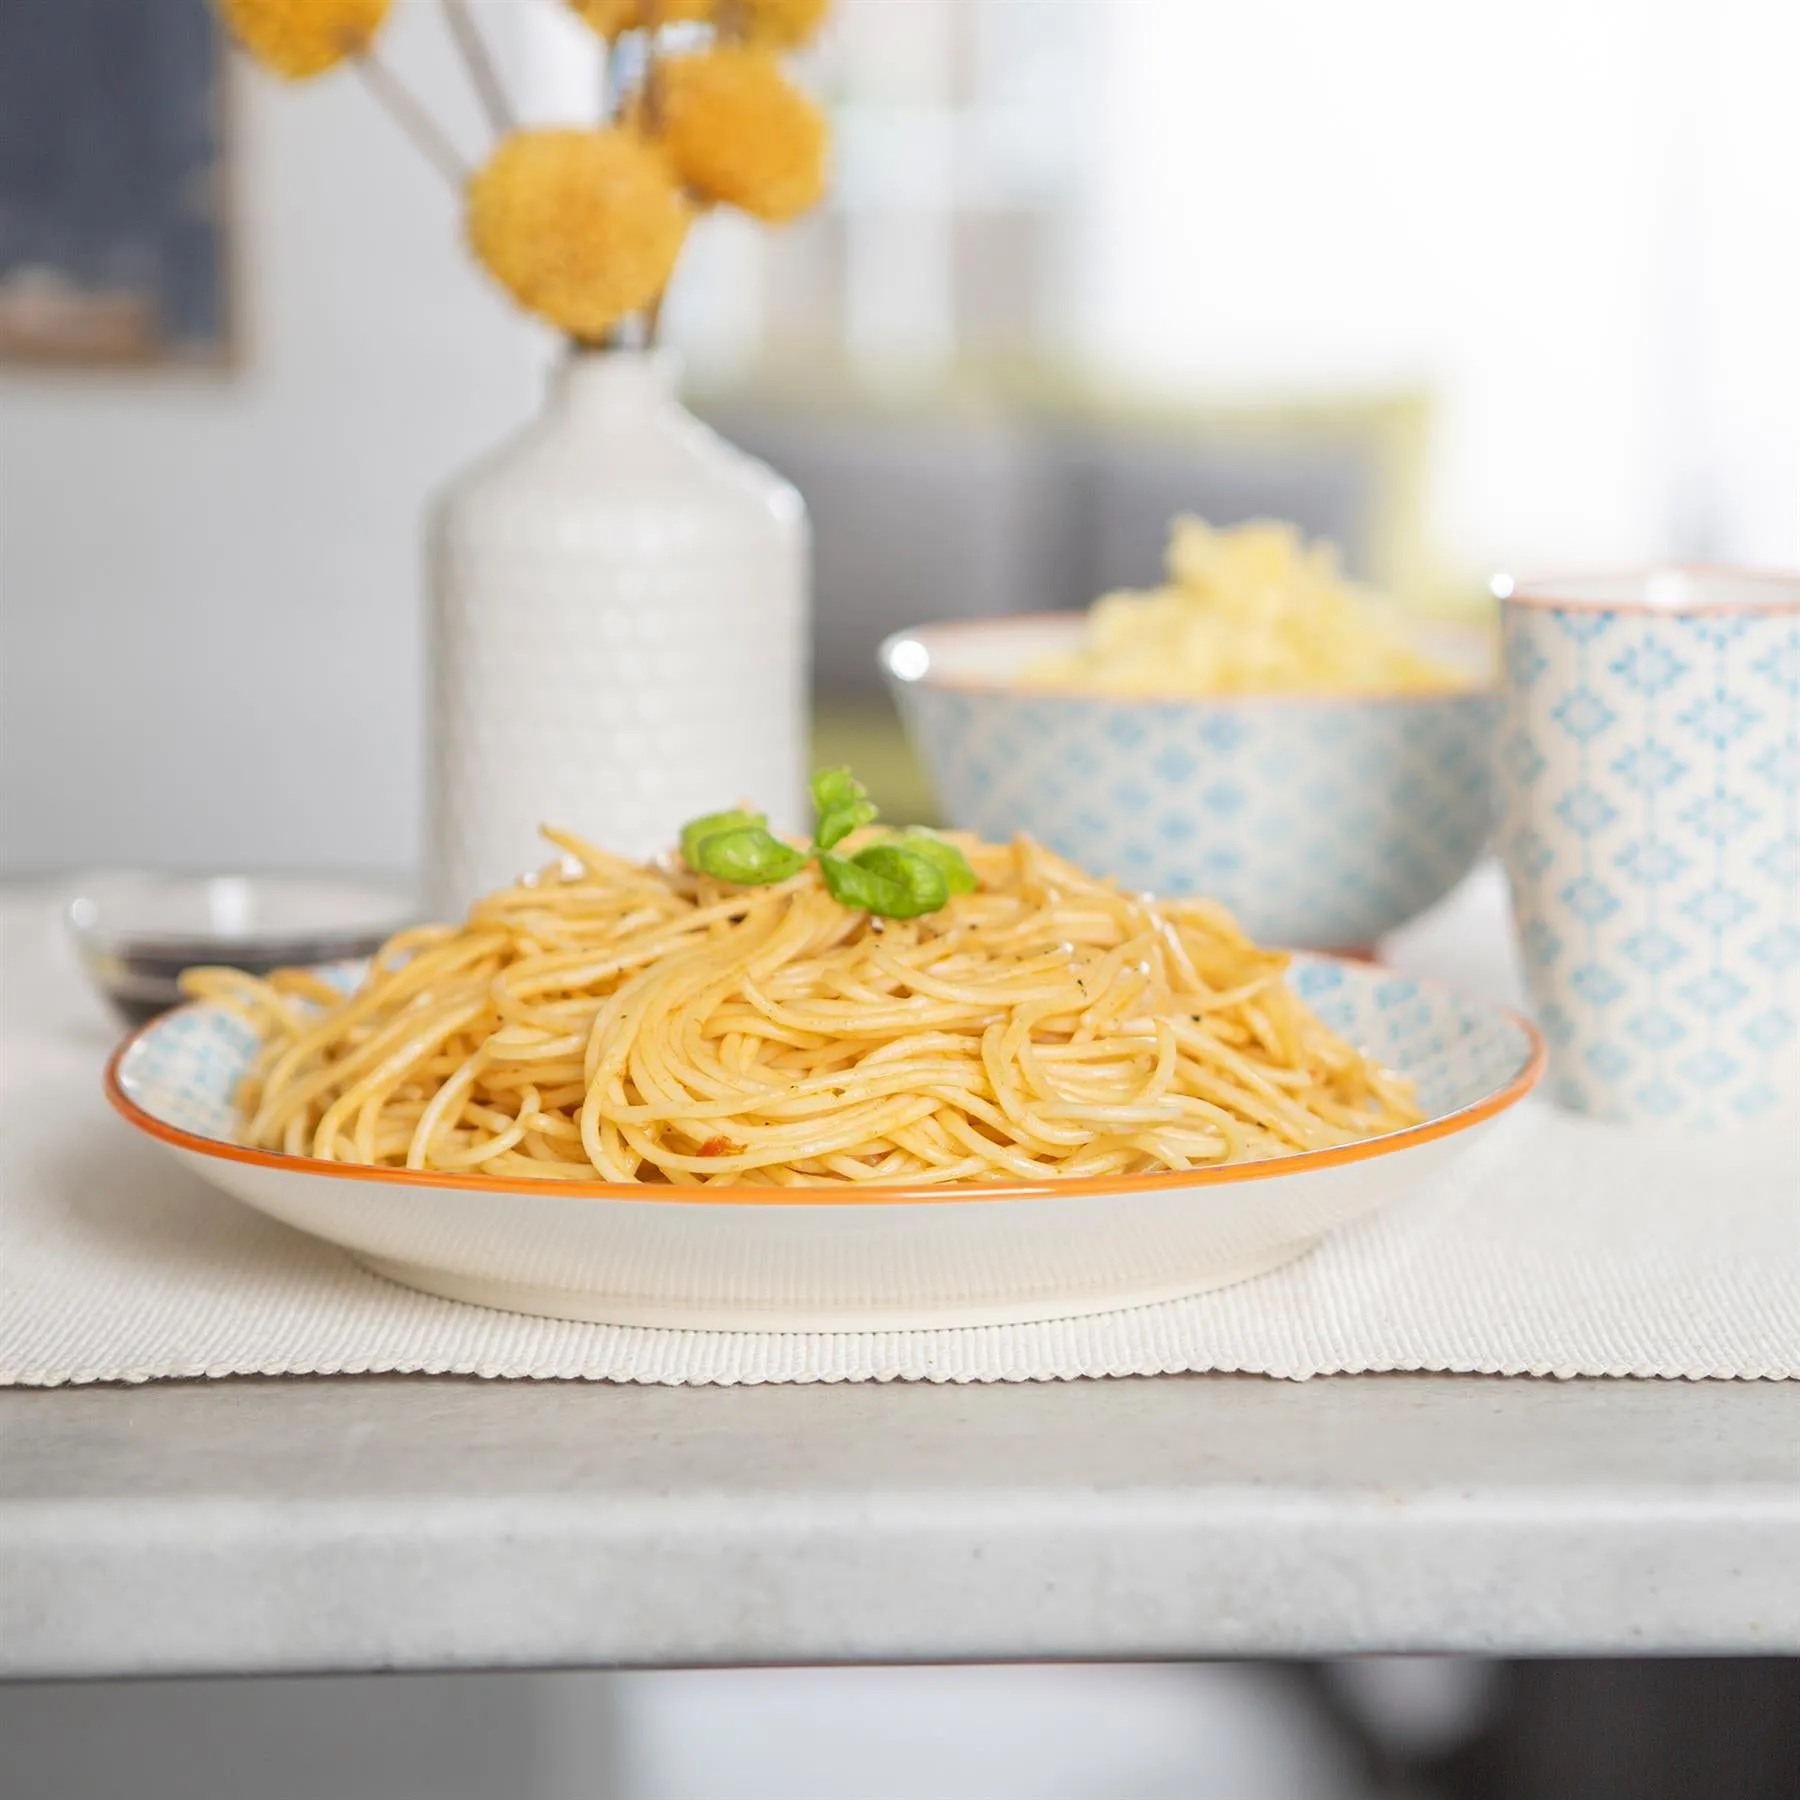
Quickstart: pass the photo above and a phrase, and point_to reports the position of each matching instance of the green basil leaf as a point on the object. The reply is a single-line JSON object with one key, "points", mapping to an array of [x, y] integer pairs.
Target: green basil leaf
{"points": [[846, 883], [749, 854], [695, 831], [837, 824], [832, 787], [944, 855], [843, 806], [884, 879]]}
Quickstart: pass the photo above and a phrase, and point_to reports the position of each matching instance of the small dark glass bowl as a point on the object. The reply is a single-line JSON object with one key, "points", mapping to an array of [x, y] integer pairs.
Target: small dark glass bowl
{"points": [[138, 933]]}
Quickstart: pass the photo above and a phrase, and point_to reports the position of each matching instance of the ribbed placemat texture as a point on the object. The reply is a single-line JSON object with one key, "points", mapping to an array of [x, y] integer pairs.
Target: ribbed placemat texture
{"points": [[1556, 1248]]}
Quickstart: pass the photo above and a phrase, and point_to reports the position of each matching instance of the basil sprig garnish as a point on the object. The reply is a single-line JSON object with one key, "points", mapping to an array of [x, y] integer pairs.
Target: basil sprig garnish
{"points": [[843, 806], [943, 856], [739, 846], [900, 876], [884, 879]]}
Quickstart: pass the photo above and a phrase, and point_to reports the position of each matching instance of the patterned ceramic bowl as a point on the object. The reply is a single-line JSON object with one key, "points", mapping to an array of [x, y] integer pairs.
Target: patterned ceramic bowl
{"points": [[1323, 823]]}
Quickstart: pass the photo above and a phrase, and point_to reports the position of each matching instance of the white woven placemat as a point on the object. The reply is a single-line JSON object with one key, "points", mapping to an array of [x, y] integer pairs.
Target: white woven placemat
{"points": [[1556, 1248]]}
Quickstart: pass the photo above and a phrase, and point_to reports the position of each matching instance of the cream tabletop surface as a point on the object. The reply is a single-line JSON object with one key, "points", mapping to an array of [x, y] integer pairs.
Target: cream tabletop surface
{"points": [[414, 1523]]}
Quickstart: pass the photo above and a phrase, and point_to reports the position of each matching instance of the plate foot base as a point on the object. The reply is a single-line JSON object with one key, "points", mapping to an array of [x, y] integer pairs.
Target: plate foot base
{"points": [[925, 1314]]}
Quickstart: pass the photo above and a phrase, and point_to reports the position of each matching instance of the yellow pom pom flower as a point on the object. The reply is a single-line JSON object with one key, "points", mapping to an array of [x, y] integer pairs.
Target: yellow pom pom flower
{"points": [[581, 227], [611, 18], [785, 24], [300, 38], [735, 129]]}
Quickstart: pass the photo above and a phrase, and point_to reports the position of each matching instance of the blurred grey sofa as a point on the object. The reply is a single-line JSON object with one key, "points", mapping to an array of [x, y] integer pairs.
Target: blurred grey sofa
{"points": [[969, 506]]}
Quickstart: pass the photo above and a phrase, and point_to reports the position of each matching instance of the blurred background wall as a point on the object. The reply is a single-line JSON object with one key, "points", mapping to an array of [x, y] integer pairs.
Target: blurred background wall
{"points": [[209, 573], [1466, 287]]}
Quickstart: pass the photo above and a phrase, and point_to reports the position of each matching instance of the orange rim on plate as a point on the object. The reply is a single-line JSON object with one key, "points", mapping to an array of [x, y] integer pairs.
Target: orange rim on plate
{"points": [[1304, 1161]]}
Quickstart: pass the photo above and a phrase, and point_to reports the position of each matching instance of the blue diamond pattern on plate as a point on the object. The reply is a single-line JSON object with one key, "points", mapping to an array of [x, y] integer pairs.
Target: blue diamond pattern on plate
{"points": [[188, 1070]]}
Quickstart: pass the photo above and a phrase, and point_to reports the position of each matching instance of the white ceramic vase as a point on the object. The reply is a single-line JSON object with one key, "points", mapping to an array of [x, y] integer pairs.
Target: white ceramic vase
{"points": [[618, 634]]}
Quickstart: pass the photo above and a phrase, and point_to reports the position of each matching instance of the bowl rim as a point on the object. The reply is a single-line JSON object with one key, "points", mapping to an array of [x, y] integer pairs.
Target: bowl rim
{"points": [[1478, 690], [1538, 592], [400, 904], [1487, 1106]]}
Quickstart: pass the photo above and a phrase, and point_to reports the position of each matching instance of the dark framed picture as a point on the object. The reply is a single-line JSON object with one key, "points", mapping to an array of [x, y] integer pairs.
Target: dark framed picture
{"points": [[114, 240]]}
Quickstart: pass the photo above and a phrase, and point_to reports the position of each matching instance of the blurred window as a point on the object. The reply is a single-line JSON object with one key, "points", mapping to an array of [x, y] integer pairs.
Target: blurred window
{"points": [[1576, 222]]}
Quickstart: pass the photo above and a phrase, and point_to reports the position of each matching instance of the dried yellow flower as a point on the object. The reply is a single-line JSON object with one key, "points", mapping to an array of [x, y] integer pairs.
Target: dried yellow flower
{"points": [[581, 227], [736, 129], [786, 24], [299, 38], [611, 17]]}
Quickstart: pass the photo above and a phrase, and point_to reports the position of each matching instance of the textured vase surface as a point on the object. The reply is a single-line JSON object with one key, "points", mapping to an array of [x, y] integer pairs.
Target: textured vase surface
{"points": [[618, 639]]}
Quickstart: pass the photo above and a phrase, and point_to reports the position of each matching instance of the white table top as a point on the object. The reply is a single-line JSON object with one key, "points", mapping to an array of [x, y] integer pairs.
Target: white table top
{"points": [[402, 1523], [408, 1523]]}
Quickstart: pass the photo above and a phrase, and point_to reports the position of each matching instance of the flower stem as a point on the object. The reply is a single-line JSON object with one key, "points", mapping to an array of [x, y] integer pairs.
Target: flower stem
{"points": [[406, 112], [649, 17], [479, 61]]}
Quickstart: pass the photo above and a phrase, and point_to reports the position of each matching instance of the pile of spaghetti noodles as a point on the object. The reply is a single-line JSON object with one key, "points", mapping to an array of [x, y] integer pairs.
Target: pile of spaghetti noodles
{"points": [[641, 1023]]}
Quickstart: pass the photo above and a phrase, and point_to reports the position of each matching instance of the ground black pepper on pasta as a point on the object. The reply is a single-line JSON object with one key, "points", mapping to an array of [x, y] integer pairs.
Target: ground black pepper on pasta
{"points": [[611, 1021]]}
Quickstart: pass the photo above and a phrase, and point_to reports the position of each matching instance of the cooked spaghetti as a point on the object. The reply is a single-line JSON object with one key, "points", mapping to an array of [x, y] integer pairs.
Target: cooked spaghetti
{"points": [[629, 1023]]}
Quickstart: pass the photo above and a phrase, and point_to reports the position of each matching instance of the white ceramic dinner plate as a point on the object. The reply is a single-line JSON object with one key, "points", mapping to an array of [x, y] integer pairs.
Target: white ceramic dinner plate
{"points": [[833, 1259]]}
